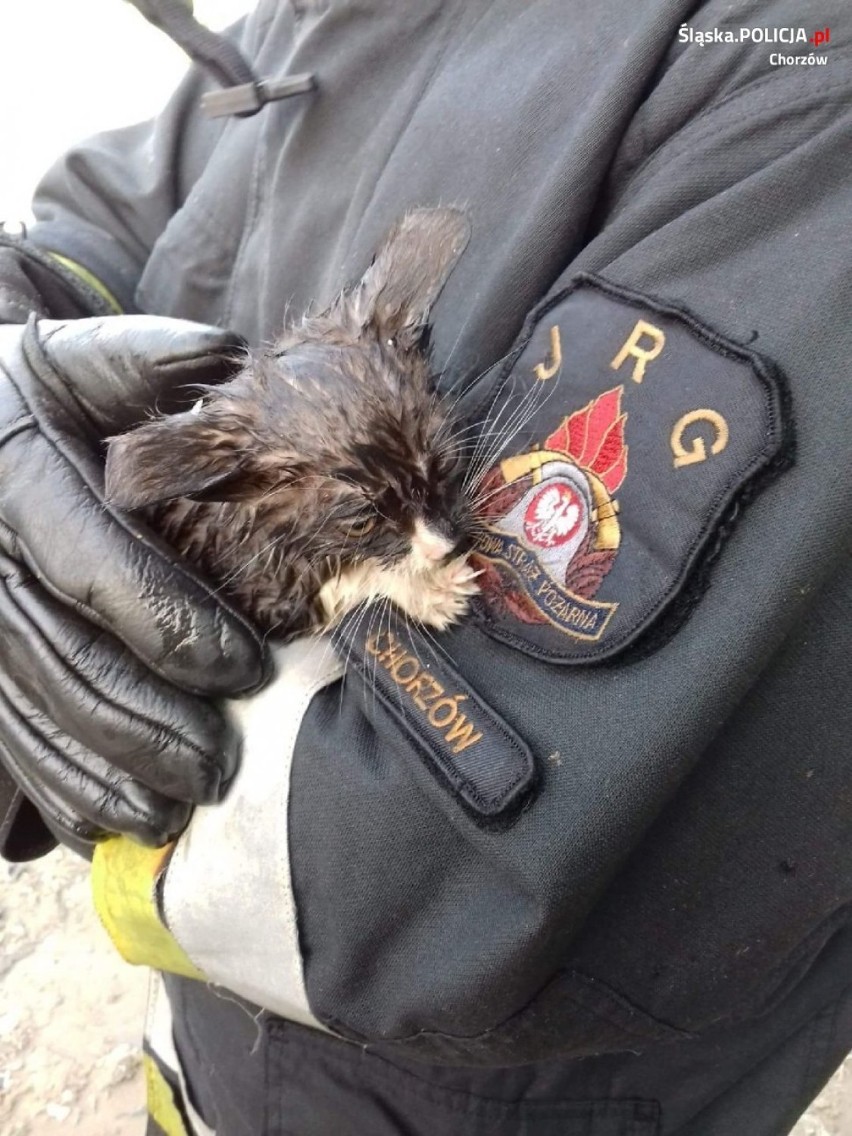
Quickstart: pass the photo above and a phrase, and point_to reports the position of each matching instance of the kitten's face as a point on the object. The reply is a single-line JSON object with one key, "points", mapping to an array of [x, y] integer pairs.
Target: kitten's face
{"points": [[394, 501], [347, 452], [329, 450]]}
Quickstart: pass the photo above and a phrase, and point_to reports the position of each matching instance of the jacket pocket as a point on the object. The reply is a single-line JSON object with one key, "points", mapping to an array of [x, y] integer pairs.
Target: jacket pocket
{"points": [[318, 1087]]}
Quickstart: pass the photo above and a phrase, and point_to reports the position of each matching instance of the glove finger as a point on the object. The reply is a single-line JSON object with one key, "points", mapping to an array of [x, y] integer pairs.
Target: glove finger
{"points": [[82, 845], [115, 573], [61, 819], [119, 368], [90, 687], [76, 789], [24, 833]]}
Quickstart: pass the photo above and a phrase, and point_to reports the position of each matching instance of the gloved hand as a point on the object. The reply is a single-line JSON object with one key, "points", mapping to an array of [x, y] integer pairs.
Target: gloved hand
{"points": [[32, 280], [109, 647]]}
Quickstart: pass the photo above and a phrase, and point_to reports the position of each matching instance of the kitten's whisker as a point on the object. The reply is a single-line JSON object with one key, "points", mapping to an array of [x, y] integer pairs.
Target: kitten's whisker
{"points": [[504, 409], [250, 521], [474, 423], [270, 549], [489, 411], [385, 614], [454, 348], [328, 649], [481, 499], [370, 665], [495, 433], [368, 679], [409, 621], [491, 367], [435, 646], [388, 610], [344, 660], [453, 406], [528, 406], [453, 440], [242, 568]]}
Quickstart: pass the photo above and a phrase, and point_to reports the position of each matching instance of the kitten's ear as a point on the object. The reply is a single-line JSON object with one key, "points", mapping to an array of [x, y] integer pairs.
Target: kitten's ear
{"points": [[405, 279], [179, 456]]}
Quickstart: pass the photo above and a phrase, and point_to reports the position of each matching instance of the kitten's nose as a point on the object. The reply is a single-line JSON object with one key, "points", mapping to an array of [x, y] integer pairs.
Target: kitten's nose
{"points": [[429, 544]]}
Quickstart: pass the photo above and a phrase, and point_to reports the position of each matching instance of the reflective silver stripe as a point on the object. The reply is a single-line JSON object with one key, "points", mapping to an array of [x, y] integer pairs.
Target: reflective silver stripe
{"points": [[160, 1039], [228, 895]]}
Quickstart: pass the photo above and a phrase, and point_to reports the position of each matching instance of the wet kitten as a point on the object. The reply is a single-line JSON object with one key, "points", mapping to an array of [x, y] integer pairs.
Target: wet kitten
{"points": [[325, 472]]}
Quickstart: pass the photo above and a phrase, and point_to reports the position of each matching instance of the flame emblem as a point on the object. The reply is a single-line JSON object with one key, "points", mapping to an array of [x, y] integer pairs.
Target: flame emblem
{"points": [[552, 521], [594, 438]]}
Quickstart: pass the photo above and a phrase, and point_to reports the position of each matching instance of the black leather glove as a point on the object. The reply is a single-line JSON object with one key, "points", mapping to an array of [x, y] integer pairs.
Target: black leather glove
{"points": [[109, 646]]}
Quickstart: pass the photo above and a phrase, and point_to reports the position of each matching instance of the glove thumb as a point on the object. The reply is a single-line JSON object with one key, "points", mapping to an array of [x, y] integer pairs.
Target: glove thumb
{"points": [[120, 368]]}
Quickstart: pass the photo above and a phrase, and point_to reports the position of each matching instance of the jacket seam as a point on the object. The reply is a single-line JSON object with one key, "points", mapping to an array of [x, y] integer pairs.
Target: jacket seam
{"points": [[705, 125]]}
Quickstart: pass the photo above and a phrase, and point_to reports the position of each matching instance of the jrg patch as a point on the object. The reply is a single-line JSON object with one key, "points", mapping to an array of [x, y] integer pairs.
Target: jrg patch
{"points": [[632, 434]]}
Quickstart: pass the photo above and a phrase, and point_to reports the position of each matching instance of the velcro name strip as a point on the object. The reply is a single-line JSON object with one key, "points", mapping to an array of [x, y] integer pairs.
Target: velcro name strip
{"points": [[485, 764]]}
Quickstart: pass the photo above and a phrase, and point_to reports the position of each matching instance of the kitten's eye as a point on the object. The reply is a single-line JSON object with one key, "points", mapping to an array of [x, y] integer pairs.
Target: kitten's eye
{"points": [[361, 526]]}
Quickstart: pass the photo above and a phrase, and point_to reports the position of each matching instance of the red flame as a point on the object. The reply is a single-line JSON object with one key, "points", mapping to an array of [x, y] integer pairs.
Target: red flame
{"points": [[594, 438]]}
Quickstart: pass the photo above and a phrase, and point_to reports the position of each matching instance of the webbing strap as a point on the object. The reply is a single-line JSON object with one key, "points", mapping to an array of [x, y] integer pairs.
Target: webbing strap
{"points": [[217, 55], [244, 92]]}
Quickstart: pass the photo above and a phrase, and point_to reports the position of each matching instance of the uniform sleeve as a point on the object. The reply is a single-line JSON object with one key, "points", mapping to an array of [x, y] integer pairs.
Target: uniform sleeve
{"points": [[104, 203], [682, 850]]}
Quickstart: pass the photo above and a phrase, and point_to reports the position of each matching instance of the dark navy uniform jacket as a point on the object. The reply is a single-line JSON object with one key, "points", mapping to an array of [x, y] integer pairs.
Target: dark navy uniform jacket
{"points": [[586, 868]]}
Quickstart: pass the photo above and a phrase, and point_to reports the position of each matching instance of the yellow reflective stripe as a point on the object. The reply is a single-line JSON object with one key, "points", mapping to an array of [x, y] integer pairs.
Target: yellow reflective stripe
{"points": [[161, 1100], [90, 279], [124, 882]]}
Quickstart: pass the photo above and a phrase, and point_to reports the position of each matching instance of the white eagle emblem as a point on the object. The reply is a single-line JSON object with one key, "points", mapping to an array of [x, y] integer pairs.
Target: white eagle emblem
{"points": [[552, 515]]}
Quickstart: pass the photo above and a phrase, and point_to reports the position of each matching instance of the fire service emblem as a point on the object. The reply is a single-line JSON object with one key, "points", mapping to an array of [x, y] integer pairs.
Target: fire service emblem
{"points": [[552, 522], [637, 435]]}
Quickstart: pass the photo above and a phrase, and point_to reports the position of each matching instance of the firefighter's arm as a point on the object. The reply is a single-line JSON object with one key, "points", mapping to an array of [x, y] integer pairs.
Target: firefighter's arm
{"points": [[563, 826], [106, 202]]}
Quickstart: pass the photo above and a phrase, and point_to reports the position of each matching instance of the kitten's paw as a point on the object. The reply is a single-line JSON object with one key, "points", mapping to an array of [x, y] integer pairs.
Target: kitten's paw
{"points": [[446, 593]]}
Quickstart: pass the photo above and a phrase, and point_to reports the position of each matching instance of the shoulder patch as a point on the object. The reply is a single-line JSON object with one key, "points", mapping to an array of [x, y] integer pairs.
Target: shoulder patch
{"points": [[627, 437], [469, 747]]}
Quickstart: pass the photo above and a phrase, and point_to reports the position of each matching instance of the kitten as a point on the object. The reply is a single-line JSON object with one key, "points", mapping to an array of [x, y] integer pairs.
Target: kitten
{"points": [[325, 473]]}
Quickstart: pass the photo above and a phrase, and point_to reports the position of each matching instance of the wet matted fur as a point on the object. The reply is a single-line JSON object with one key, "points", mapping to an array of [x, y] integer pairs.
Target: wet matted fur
{"points": [[326, 471]]}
